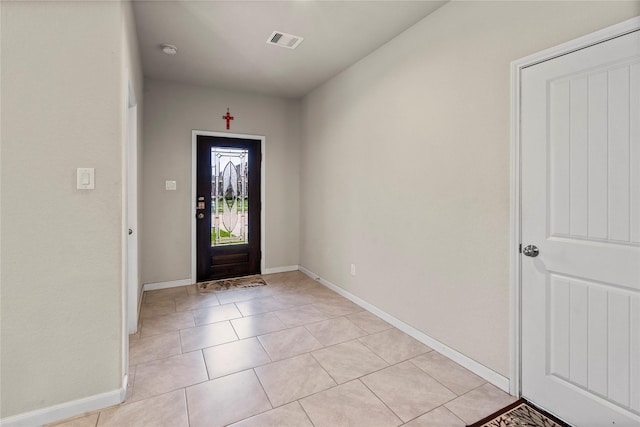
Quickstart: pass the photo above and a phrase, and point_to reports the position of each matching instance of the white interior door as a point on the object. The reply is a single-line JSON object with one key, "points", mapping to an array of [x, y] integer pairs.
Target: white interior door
{"points": [[580, 206], [133, 286]]}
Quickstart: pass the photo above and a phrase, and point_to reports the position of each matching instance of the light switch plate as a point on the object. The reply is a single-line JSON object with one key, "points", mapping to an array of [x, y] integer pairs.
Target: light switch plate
{"points": [[86, 178], [170, 185]]}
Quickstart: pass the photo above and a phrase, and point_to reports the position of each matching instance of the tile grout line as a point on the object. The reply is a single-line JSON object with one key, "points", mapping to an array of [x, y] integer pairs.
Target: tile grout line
{"points": [[359, 378], [206, 366], [265, 351], [305, 412], [348, 381], [186, 405], [439, 382], [324, 369], [263, 389], [291, 327], [380, 399], [464, 394], [437, 407]]}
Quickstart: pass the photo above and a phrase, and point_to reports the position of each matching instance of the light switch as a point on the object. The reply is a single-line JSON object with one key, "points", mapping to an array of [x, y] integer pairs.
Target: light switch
{"points": [[170, 185], [86, 178]]}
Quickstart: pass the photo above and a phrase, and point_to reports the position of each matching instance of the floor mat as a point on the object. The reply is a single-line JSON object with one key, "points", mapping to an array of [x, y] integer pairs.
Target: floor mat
{"points": [[520, 413], [230, 284]]}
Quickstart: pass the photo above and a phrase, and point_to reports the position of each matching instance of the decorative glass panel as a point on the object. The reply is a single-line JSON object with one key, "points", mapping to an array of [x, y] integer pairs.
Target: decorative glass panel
{"points": [[229, 196]]}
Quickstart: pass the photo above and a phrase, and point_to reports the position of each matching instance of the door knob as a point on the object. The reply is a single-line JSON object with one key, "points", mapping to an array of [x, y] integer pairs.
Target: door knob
{"points": [[200, 215], [130, 232], [531, 251]]}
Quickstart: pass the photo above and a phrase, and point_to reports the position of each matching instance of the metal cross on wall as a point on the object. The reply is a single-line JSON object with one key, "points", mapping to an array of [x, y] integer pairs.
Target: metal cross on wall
{"points": [[228, 117]]}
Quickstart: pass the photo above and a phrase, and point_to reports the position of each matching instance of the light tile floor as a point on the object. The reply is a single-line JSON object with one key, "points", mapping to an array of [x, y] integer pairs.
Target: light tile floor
{"points": [[292, 353]]}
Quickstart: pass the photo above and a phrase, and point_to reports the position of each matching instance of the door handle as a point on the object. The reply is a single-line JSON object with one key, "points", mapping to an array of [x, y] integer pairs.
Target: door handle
{"points": [[200, 215], [130, 232], [531, 250]]}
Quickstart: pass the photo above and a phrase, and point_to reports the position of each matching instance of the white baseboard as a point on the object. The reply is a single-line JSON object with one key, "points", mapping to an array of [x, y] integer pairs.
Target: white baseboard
{"points": [[479, 369], [284, 269], [67, 409], [166, 285]]}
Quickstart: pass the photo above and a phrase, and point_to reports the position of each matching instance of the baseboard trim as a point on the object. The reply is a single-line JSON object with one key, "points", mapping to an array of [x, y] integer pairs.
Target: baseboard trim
{"points": [[479, 369], [284, 269], [166, 285], [68, 409]]}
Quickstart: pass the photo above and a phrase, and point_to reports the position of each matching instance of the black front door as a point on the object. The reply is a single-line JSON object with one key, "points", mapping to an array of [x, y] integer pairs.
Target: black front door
{"points": [[227, 207]]}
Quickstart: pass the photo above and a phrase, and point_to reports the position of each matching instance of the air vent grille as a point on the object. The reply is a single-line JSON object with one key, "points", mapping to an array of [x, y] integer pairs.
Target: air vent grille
{"points": [[281, 39], [276, 37]]}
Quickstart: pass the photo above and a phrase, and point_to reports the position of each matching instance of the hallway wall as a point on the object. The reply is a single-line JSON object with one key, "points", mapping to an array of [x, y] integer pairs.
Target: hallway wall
{"points": [[172, 111], [63, 107], [405, 167]]}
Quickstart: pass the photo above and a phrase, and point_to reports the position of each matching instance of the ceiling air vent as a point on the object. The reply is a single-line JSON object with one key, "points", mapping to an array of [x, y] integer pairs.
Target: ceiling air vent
{"points": [[279, 38]]}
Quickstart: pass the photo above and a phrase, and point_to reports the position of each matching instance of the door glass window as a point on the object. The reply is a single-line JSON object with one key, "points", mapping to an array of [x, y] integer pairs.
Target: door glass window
{"points": [[229, 196]]}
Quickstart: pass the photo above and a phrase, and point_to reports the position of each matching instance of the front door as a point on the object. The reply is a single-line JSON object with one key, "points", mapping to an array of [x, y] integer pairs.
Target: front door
{"points": [[227, 207], [580, 213]]}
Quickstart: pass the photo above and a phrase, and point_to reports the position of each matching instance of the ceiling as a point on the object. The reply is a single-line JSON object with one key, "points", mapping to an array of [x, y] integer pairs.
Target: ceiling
{"points": [[223, 43]]}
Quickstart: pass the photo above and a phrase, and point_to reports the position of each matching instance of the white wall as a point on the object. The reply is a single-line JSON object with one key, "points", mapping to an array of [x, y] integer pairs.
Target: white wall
{"points": [[63, 104], [405, 167], [172, 111]]}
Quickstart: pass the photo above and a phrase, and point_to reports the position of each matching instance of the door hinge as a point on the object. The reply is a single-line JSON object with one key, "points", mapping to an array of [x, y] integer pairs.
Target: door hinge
{"points": [[520, 248]]}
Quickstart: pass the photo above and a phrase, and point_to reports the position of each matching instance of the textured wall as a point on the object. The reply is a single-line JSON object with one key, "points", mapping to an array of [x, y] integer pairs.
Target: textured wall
{"points": [[405, 167], [63, 104], [172, 111]]}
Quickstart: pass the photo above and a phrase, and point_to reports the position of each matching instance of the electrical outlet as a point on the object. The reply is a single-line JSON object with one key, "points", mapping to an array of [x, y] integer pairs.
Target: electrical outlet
{"points": [[353, 269]]}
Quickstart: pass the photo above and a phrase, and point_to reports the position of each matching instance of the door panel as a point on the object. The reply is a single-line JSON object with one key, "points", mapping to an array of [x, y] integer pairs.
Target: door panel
{"points": [[227, 207], [581, 208]]}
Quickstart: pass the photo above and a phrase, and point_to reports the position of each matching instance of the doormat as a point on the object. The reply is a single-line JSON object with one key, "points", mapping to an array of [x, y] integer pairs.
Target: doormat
{"points": [[520, 413], [231, 284]]}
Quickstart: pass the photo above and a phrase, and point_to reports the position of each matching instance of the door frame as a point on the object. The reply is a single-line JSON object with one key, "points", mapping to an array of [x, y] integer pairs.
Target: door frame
{"points": [[515, 275], [194, 170], [132, 253]]}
